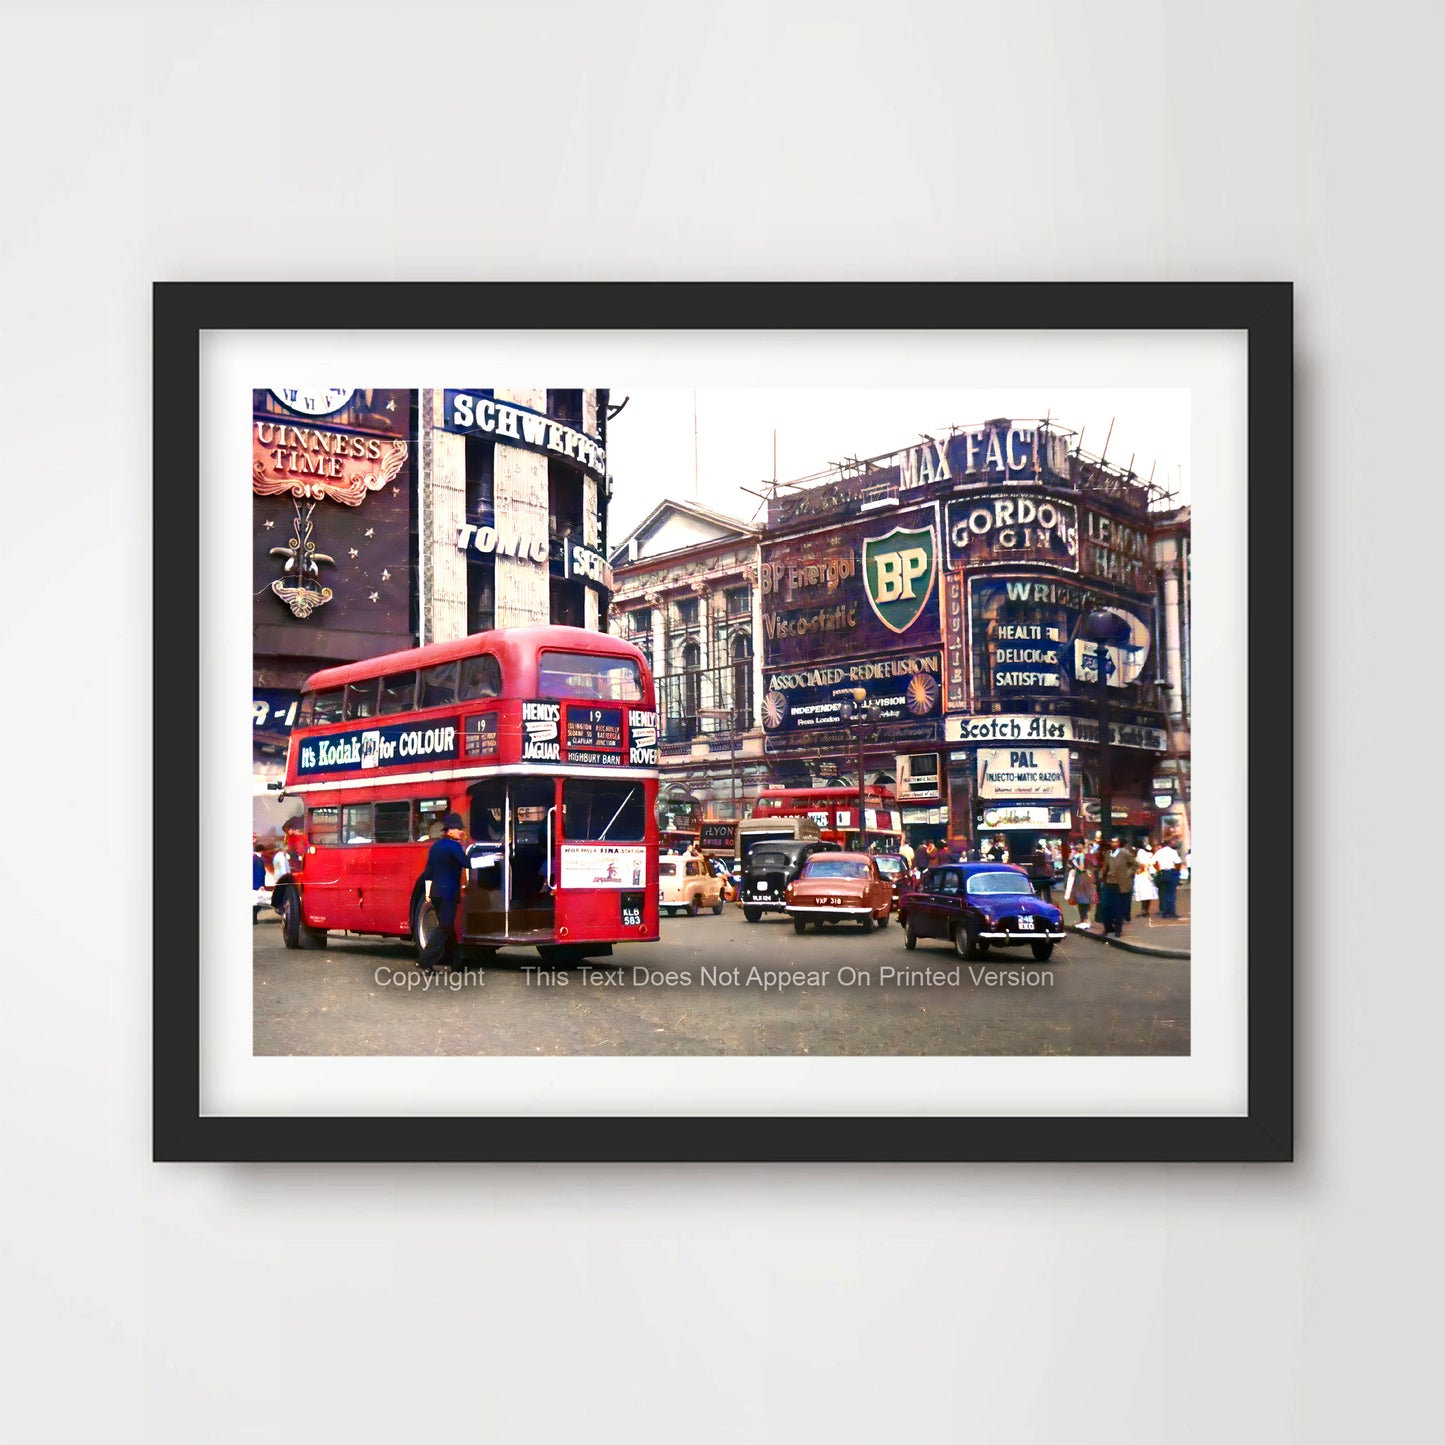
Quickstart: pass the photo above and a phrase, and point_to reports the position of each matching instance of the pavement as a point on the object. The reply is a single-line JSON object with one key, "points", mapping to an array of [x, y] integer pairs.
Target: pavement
{"points": [[1154, 936]]}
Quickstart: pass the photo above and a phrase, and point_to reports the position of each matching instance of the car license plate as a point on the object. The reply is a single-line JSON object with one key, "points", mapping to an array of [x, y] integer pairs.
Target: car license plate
{"points": [[1026, 922]]}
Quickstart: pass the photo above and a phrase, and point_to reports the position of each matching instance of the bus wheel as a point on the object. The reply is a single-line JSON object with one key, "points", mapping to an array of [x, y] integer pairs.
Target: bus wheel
{"points": [[295, 931], [423, 921], [751, 914], [717, 907], [291, 919]]}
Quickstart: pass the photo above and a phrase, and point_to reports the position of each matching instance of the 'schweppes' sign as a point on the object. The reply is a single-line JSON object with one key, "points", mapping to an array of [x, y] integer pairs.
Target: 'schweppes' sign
{"points": [[1023, 772], [474, 413], [542, 732], [586, 565], [899, 688], [356, 749], [1020, 528], [642, 739], [505, 540]]}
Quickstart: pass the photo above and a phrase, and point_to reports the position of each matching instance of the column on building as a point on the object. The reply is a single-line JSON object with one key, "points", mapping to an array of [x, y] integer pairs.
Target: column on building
{"points": [[442, 514], [523, 596]]}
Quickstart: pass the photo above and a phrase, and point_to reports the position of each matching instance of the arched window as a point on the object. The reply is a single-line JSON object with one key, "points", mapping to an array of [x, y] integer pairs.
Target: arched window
{"points": [[743, 680]]}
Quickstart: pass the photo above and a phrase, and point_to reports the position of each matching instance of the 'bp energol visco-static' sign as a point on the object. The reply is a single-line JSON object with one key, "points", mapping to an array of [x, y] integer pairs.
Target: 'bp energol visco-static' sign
{"points": [[1023, 772], [474, 413], [380, 747]]}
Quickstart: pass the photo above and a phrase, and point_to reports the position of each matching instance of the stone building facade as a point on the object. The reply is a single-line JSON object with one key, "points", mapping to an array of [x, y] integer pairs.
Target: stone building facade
{"points": [[686, 593]]}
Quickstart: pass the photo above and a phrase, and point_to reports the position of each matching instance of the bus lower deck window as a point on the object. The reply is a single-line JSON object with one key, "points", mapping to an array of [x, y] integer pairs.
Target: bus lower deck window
{"points": [[393, 822], [321, 826]]}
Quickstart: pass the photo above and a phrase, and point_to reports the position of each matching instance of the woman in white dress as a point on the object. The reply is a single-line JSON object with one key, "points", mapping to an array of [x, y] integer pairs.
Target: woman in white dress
{"points": [[1146, 891]]}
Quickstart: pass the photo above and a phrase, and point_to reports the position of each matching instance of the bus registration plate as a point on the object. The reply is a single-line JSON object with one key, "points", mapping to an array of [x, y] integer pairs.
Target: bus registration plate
{"points": [[632, 910]]}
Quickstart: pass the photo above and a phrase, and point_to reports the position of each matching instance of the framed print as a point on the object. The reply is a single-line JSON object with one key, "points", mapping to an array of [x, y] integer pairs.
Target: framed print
{"points": [[724, 722]]}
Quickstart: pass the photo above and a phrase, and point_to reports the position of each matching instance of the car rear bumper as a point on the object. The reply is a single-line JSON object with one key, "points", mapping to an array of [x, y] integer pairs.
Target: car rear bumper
{"points": [[830, 909]]}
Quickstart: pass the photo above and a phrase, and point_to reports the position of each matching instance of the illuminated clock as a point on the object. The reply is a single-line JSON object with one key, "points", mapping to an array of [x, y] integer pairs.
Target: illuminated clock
{"points": [[313, 400]]}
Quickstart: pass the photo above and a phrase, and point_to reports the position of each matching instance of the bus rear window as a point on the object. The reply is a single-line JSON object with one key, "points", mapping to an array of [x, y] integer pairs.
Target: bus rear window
{"points": [[579, 674], [602, 811]]}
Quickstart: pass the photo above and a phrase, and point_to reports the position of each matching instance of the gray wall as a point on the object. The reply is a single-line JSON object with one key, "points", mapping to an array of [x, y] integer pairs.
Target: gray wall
{"points": [[835, 140]]}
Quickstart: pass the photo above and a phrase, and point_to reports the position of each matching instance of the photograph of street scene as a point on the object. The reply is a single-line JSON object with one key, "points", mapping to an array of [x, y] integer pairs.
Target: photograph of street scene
{"points": [[630, 721]]}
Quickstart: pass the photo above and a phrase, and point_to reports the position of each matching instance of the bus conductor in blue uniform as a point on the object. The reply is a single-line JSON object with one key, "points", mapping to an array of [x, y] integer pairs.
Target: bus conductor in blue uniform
{"points": [[445, 864]]}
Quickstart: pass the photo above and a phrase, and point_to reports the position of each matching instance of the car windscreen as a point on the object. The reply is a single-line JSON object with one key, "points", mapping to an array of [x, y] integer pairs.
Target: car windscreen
{"points": [[667, 870], [767, 859], [999, 883], [889, 866], [834, 868]]}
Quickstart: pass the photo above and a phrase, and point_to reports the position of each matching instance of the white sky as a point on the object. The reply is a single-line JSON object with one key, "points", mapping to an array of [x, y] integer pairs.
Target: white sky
{"points": [[650, 445]]}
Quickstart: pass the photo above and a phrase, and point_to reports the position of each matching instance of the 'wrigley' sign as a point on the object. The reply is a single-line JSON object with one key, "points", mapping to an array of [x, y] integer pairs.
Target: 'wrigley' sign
{"points": [[474, 413]]}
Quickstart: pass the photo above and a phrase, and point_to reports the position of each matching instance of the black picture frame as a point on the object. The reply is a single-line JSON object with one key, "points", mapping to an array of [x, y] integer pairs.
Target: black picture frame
{"points": [[1264, 311]]}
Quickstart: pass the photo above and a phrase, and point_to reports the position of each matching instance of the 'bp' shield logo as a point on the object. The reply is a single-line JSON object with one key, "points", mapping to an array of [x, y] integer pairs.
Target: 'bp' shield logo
{"points": [[898, 572]]}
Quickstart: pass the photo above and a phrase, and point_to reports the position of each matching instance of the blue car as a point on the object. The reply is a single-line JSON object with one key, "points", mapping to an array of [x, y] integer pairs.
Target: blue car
{"points": [[980, 906]]}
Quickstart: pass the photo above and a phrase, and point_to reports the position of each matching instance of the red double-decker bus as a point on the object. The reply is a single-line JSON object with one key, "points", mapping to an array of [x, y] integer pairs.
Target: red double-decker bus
{"points": [[544, 739], [835, 810]]}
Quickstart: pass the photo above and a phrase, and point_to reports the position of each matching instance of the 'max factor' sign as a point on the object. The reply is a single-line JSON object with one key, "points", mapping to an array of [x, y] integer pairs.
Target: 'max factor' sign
{"points": [[478, 413], [997, 451]]}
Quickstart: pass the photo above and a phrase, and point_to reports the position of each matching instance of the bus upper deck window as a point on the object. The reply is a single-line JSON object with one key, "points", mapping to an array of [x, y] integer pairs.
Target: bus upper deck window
{"points": [[398, 692], [361, 698], [481, 677], [321, 707], [581, 675], [438, 687]]}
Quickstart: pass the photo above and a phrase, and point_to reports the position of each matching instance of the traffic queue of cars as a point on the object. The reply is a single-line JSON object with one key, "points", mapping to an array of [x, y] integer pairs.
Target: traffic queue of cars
{"points": [[972, 907]]}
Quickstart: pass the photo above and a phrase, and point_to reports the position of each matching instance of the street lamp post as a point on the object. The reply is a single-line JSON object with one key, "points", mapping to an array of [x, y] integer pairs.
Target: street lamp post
{"points": [[857, 709], [1103, 627], [731, 715]]}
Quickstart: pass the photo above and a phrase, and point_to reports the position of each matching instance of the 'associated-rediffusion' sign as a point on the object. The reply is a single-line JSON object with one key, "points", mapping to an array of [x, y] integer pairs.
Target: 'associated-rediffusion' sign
{"points": [[475, 413], [899, 689], [358, 749]]}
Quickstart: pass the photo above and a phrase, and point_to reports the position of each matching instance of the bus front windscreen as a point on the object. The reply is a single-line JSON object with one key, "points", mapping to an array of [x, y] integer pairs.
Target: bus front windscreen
{"points": [[581, 675]]}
